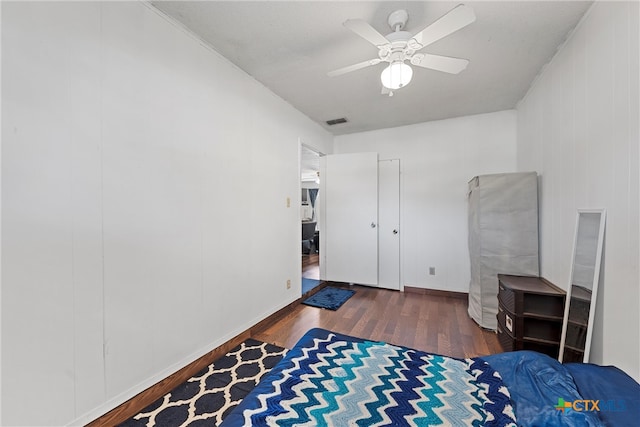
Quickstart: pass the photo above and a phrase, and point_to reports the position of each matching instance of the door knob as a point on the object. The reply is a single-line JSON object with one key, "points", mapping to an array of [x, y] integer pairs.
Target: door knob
{"points": [[395, 231], [373, 225]]}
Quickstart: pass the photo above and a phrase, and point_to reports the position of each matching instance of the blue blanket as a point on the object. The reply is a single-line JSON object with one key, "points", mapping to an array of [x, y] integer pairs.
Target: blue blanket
{"points": [[536, 382], [330, 379]]}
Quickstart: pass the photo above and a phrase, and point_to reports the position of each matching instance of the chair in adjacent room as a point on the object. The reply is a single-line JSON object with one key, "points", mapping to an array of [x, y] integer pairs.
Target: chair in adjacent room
{"points": [[308, 230]]}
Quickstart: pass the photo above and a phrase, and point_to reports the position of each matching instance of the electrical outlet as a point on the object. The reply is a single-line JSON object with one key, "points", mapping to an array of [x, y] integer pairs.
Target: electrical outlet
{"points": [[432, 271], [288, 283], [288, 202]]}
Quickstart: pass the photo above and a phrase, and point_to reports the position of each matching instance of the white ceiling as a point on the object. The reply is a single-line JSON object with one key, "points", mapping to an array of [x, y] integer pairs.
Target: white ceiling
{"points": [[290, 46]]}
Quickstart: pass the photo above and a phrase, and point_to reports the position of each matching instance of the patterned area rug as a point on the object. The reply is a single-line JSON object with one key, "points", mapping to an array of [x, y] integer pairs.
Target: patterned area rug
{"points": [[206, 398], [329, 297]]}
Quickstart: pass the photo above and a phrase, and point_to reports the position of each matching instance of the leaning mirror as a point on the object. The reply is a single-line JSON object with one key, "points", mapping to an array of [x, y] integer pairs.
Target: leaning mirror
{"points": [[583, 288]]}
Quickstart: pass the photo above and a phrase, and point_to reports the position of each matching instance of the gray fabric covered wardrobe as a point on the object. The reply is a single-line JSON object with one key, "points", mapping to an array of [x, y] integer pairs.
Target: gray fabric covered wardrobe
{"points": [[503, 237]]}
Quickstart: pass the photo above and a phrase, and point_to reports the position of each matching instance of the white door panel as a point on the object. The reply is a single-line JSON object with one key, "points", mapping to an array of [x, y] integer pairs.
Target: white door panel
{"points": [[351, 218], [389, 224]]}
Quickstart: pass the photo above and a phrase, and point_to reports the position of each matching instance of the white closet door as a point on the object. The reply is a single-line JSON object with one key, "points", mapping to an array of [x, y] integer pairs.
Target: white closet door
{"points": [[389, 224], [351, 218]]}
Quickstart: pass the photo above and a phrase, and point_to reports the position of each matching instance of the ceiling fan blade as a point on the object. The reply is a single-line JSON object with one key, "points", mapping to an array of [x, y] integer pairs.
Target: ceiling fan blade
{"points": [[366, 31], [445, 64], [459, 17], [353, 67]]}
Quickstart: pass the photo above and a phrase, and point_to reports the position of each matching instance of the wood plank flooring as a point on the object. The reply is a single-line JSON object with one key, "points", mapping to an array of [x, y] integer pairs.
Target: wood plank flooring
{"points": [[311, 266], [432, 323]]}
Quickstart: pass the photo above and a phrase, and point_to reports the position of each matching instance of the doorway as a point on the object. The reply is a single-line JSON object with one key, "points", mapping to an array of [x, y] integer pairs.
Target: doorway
{"points": [[309, 215]]}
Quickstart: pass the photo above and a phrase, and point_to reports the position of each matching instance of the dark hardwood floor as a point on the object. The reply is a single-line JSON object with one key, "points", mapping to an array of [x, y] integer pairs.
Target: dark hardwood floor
{"points": [[433, 323], [311, 266]]}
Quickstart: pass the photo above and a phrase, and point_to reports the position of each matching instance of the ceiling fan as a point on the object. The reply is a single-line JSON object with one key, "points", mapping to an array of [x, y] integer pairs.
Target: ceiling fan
{"points": [[400, 46]]}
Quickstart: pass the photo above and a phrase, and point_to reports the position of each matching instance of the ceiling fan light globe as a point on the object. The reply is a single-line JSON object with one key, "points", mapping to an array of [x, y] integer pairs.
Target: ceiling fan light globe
{"points": [[396, 75]]}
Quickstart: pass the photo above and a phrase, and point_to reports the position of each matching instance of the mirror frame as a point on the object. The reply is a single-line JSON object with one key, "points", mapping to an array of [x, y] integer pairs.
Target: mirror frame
{"points": [[594, 288]]}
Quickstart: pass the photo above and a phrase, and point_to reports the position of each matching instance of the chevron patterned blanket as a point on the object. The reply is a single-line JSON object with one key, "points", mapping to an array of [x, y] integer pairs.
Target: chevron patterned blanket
{"points": [[330, 379]]}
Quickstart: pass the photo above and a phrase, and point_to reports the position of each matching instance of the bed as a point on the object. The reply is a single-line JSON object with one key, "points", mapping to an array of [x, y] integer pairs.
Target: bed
{"points": [[330, 379]]}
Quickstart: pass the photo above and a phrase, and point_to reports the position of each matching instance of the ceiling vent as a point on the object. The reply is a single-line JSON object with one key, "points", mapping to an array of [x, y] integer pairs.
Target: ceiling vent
{"points": [[336, 121]]}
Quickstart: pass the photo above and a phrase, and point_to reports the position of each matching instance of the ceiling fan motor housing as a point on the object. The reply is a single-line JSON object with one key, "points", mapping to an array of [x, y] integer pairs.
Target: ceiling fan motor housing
{"points": [[399, 47]]}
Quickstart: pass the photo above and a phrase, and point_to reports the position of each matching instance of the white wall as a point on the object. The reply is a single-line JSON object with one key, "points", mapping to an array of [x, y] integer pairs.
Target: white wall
{"points": [[437, 159], [135, 164], [578, 127]]}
